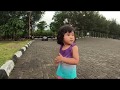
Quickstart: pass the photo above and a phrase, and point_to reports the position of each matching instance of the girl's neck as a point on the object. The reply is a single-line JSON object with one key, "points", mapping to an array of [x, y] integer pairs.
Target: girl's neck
{"points": [[66, 45]]}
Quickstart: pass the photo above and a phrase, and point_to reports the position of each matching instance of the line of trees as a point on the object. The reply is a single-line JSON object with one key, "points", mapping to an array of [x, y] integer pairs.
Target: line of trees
{"points": [[15, 25], [18, 24], [86, 21]]}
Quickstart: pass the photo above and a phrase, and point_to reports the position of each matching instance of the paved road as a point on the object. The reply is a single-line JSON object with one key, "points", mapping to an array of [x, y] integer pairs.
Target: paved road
{"points": [[99, 59]]}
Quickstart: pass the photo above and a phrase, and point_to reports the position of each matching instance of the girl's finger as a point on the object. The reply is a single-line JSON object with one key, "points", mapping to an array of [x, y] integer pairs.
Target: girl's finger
{"points": [[59, 54]]}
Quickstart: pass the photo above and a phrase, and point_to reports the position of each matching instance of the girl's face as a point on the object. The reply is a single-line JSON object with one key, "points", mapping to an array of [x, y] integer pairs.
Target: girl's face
{"points": [[69, 38]]}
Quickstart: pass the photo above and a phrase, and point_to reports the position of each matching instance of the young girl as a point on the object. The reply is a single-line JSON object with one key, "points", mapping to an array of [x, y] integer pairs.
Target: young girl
{"points": [[68, 56]]}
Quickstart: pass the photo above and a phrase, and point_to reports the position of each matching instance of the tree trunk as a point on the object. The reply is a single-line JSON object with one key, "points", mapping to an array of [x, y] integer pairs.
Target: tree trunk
{"points": [[29, 25]]}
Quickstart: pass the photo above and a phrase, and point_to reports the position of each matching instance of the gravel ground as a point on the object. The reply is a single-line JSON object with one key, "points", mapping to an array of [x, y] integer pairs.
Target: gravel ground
{"points": [[99, 59]]}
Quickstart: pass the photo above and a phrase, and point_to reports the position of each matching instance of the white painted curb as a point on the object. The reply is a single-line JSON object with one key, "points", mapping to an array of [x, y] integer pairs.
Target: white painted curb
{"points": [[24, 48], [8, 66], [18, 54]]}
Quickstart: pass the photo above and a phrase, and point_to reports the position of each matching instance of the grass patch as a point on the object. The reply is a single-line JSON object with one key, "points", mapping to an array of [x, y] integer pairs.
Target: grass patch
{"points": [[8, 48]]}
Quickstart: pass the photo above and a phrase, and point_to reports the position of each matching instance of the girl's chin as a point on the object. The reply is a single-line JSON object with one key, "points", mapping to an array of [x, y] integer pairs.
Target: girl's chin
{"points": [[71, 43]]}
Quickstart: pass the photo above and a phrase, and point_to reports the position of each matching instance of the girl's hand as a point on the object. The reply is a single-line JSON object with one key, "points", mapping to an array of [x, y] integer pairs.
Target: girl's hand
{"points": [[56, 61], [59, 58]]}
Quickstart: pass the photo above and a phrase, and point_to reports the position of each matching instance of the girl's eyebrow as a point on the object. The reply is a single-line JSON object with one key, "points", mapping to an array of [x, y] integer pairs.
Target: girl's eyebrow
{"points": [[68, 33]]}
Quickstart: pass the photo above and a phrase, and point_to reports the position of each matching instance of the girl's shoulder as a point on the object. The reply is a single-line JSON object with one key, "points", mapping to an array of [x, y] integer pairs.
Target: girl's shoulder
{"points": [[74, 44]]}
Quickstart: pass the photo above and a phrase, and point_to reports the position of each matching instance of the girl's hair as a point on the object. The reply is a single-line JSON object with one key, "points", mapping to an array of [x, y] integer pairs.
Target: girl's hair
{"points": [[64, 29]]}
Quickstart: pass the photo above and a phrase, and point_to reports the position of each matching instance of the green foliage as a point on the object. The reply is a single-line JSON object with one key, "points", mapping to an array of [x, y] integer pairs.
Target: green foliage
{"points": [[42, 25], [86, 21], [43, 33], [15, 24]]}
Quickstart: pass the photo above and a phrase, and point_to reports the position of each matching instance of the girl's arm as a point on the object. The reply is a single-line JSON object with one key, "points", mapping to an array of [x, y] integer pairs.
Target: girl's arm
{"points": [[72, 61]]}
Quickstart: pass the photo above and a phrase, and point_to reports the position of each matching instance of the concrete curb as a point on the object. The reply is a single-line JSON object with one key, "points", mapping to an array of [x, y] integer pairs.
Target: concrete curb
{"points": [[8, 66]]}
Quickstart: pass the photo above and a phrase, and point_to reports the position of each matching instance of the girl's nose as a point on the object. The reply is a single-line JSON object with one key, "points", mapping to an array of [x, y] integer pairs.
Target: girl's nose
{"points": [[71, 36]]}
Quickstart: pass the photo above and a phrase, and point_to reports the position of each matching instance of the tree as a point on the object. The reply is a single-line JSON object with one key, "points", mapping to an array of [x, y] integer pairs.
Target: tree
{"points": [[42, 25], [31, 17], [17, 21]]}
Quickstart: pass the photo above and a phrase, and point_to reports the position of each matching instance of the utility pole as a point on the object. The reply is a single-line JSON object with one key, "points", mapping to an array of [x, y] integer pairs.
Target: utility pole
{"points": [[29, 24]]}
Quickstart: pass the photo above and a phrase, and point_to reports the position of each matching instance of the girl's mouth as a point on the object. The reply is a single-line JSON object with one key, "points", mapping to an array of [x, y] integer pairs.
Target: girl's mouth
{"points": [[71, 40]]}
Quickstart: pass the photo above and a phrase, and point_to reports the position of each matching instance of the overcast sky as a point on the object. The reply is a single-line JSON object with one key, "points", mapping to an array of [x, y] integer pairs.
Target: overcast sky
{"points": [[108, 14]]}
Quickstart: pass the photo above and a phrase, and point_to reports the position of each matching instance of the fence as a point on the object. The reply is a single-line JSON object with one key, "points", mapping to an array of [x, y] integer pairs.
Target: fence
{"points": [[85, 33]]}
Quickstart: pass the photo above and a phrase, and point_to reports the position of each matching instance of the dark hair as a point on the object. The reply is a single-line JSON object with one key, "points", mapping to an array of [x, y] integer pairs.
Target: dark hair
{"points": [[64, 29]]}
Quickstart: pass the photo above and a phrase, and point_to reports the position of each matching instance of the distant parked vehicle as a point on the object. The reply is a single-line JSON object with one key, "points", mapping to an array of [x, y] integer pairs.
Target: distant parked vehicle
{"points": [[44, 38]]}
